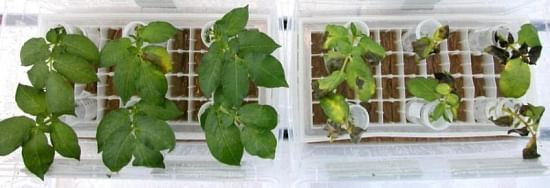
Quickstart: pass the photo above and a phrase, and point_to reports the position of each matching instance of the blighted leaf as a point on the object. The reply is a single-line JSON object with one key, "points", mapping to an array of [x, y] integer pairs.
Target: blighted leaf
{"points": [[37, 153], [35, 50], [234, 21], [259, 142], [253, 41], [337, 38], [444, 77], [258, 116], [14, 132], [210, 69], [530, 151], [75, 68], [528, 34], [30, 100], [423, 47], [81, 46], [267, 72], [159, 56], [58, 88], [64, 140], [355, 134], [442, 33], [333, 61], [504, 121], [534, 54], [332, 81], [521, 131], [336, 108], [515, 79], [38, 75], [360, 79], [115, 52], [157, 32], [423, 88]]}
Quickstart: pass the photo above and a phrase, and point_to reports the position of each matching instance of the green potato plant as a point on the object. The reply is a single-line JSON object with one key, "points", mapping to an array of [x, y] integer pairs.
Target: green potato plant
{"points": [[438, 89], [236, 56], [56, 62], [515, 81], [426, 46], [349, 57]]}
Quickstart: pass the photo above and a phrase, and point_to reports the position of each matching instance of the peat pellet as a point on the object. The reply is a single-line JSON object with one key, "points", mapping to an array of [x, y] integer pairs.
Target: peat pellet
{"points": [[198, 45], [319, 118], [197, 58], [454, 41], [111, 104], [317, 40], [110, 86], [181, 40], [410, 65], [477, 64], [388, 111], [433, 64], [387, 88], [180, 62], [462, 111], [456, 64], [196, 88], [318, 67], [182, 107], [179, 86], [252, 90], [499, 67], [396, 116], [498, 88], [371, 108], [91, 88], [196, 106], [479, 84], [388, 63], [388, 40], [346, 91], [395, 88], [114, 34], [459, 86]]}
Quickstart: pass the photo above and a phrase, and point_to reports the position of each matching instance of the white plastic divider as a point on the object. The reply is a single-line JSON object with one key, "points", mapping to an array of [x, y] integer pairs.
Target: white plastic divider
{"points": [[97, 27], [308, 132]]}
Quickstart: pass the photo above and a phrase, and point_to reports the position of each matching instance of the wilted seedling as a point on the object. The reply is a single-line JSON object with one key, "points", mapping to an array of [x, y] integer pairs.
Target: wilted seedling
{"points": [[426, 46], [349, 57]]}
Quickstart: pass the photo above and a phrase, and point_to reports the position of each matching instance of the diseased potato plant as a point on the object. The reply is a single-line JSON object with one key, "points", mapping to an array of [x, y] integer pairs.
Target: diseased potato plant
{"points": [[426, 46], [438, 89], [349, 57], [515, 81], [57, 62], [236, 56], [138, 130]]}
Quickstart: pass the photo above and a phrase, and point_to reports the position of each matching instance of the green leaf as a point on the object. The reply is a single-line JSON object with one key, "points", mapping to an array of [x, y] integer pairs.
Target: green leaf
{"points": [[75, 69], [118, 149], [258, 116], [423, 47], [151, 84], [155, 134], [159, 56], [35, 50], [13, 133], [38, 154], [126, 74], [224, 142], [372, 46], [266, 71], [157, 32], [147, 157], [38, 75], [235, 82], [115, 51], [59, 95], [438, 112], [360, 79], [166, 111], [515, 79], [443, 88], [332, 81], [205, 115], [234, 21], [30, 100], [528, 34], [113, 122], [210, 69], [423, 88], [221, 118], [64, 140], [81, 46], [253, 41], [259, 142], [52, 35], [442, 33], [336, 108]]}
